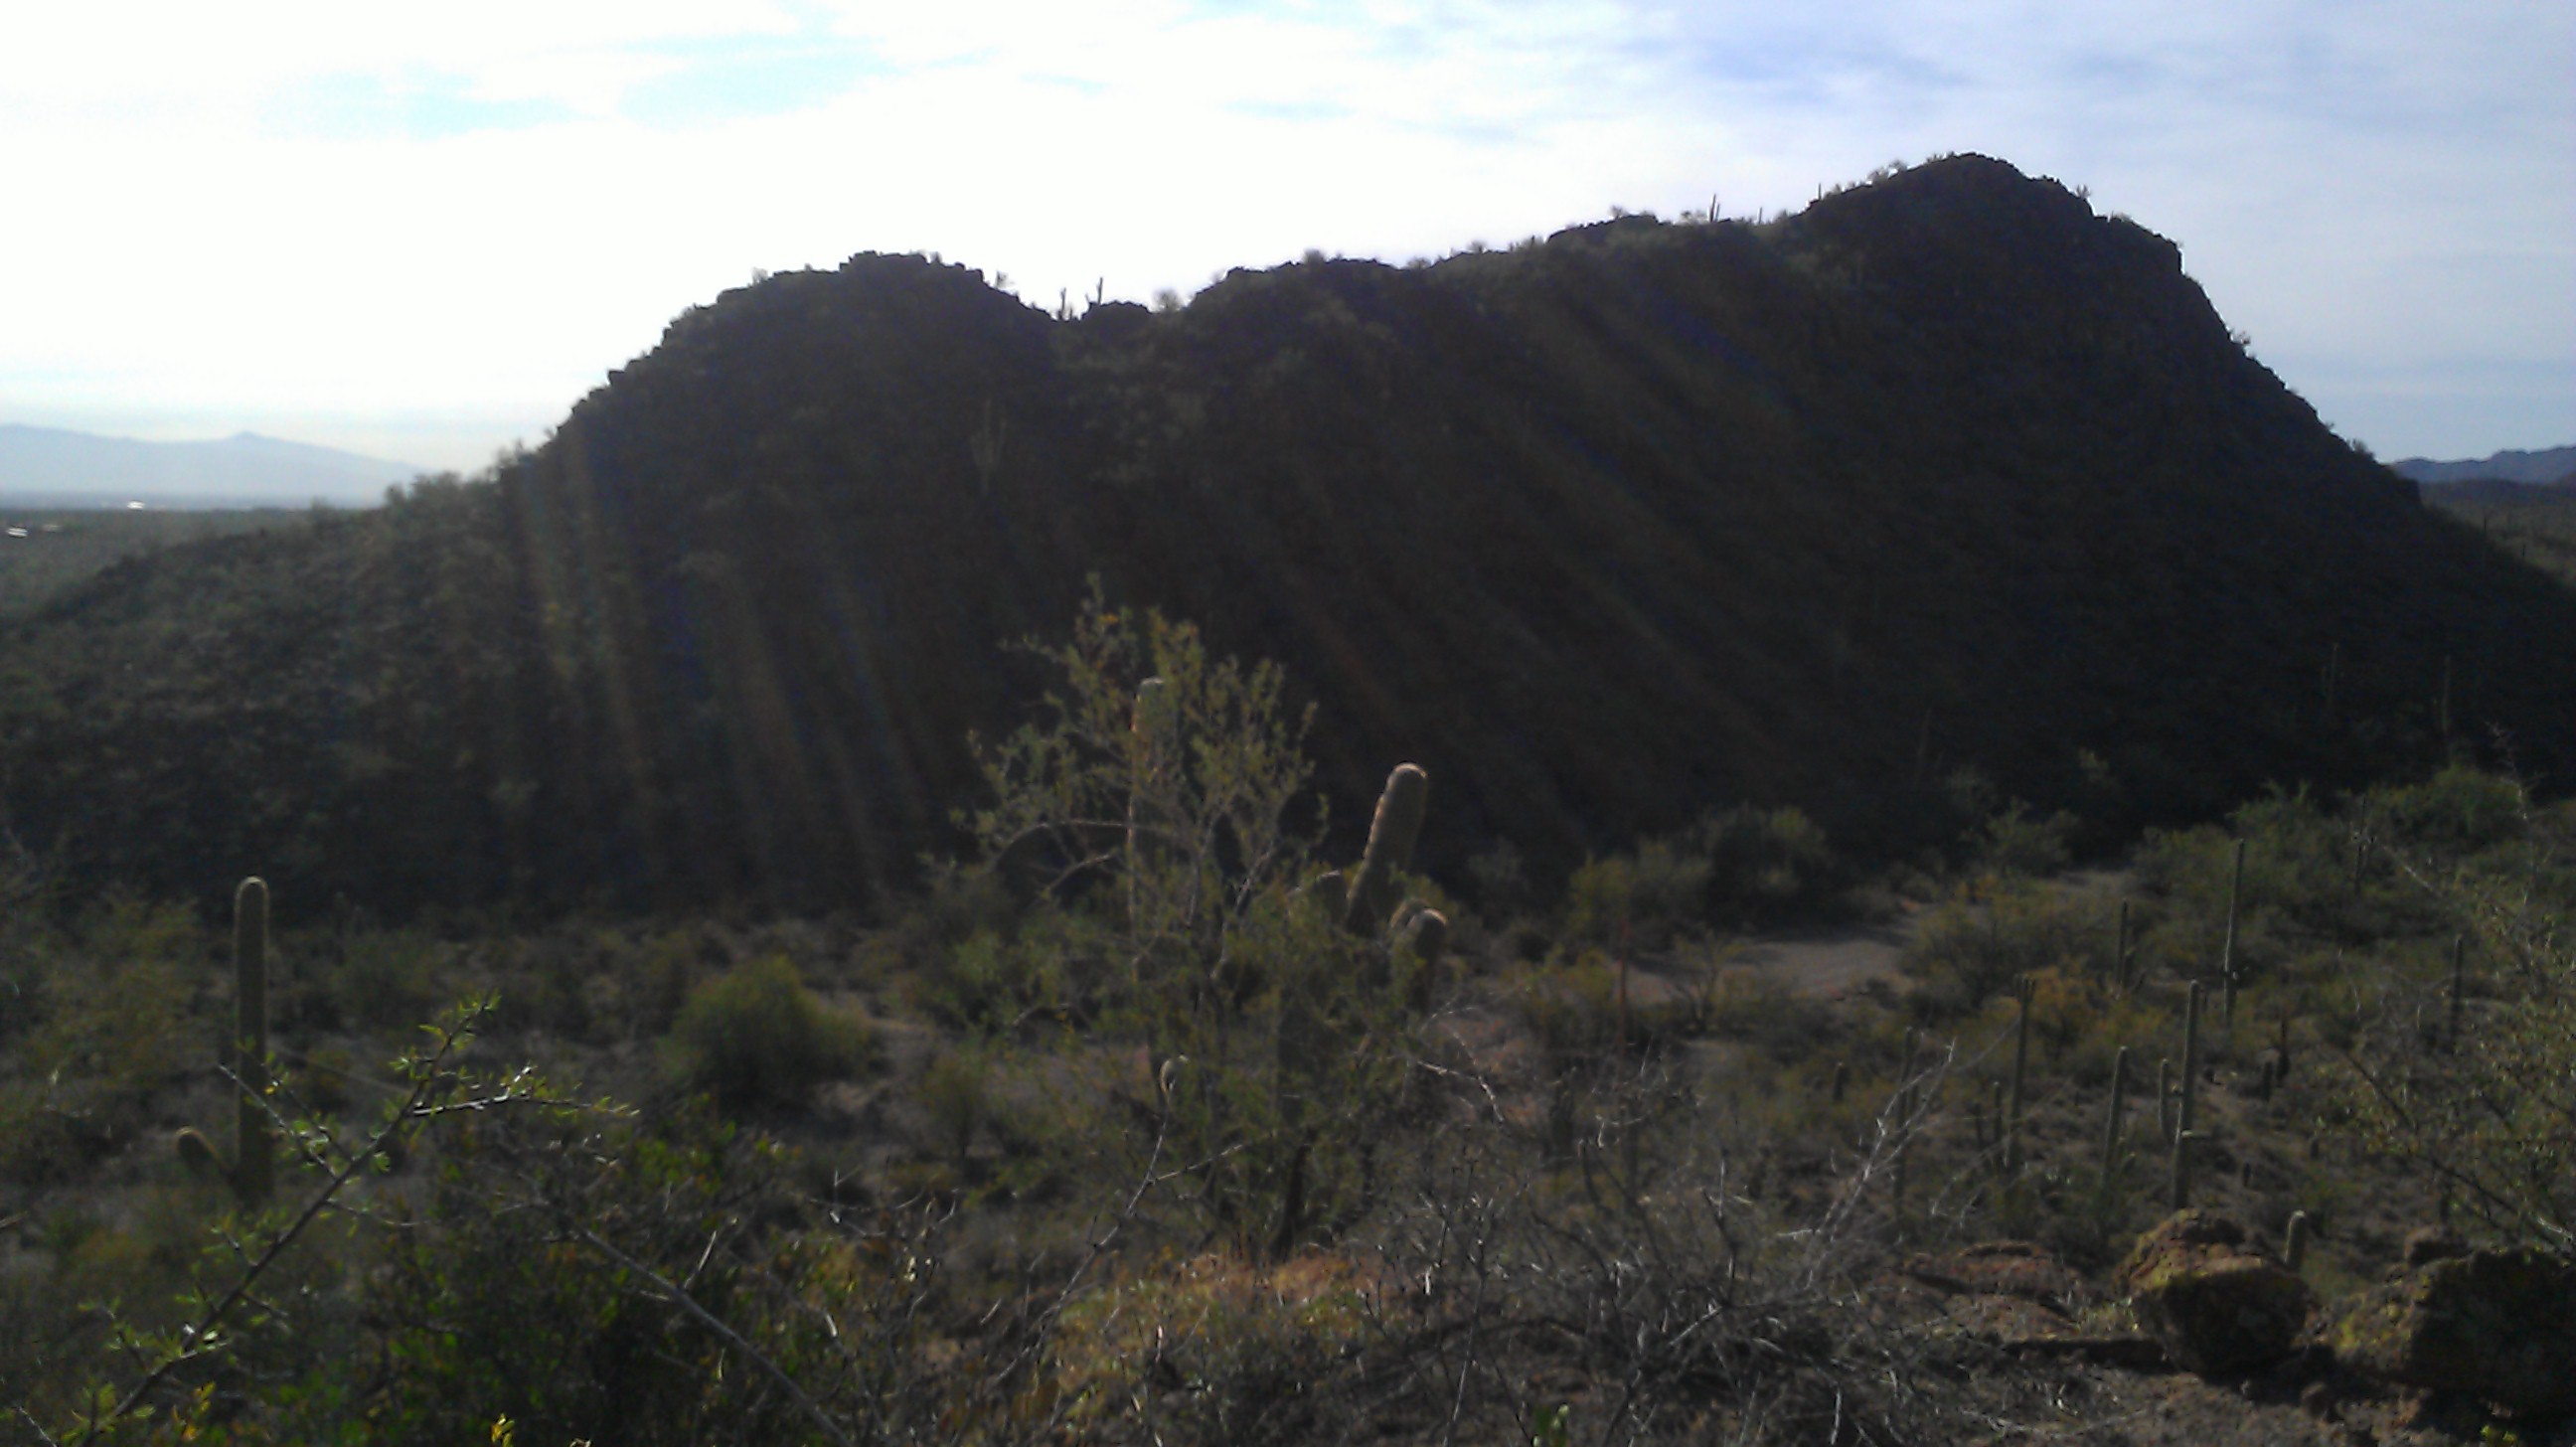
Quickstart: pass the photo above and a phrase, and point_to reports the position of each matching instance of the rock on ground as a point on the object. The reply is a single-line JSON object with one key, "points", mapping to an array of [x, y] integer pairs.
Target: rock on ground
{"points": [[2497, 1325], [2214, 1296]]}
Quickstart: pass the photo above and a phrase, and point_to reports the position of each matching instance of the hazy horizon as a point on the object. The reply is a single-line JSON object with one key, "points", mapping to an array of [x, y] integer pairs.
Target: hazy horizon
{"points": [[428, 242]]}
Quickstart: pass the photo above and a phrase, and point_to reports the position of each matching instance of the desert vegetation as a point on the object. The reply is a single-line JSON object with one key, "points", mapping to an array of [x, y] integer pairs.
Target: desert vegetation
{"points": [[1143, 1122], [1849, 829]]}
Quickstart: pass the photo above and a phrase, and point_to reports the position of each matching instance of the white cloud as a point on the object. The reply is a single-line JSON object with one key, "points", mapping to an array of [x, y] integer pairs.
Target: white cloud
{"points": [[2356, 184]]}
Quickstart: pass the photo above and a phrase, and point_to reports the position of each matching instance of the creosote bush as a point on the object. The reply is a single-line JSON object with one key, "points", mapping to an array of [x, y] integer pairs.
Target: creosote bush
{"points": [[1644, 900], [1767, 865], [755, 1036], [1991, 934]]}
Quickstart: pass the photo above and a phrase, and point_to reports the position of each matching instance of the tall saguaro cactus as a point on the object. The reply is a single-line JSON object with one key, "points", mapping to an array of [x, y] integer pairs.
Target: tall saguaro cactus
{"points": [[251, 1172], [2184, 1135], [2111, 1116], [2227, 951], [2190, 1061]]}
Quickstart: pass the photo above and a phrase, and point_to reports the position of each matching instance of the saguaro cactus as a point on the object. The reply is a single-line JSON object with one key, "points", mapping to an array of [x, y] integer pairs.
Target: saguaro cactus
{"points": [[1397, 824], [2190, 1063], [251, 1172], [2294, 1249], [2164, 1098], [2227, 951], [2111, 1116]]}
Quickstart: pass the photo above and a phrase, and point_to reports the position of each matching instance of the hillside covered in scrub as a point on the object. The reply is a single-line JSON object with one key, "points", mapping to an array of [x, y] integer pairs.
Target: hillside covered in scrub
{"points": [[1743, 632], [1944, 473]]}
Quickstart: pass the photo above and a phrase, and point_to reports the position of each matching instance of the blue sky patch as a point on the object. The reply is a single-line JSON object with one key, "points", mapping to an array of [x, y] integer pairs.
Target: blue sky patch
{"points": [[425, 108], [747, 76]]}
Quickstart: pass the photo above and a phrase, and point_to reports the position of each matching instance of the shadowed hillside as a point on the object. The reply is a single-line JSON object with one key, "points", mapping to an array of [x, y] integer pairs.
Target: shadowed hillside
{"points": [[1944, 472]]}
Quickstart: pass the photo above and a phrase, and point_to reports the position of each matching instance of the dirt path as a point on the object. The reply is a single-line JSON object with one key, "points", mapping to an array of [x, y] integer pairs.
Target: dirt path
{"points": [[1834, 960]]}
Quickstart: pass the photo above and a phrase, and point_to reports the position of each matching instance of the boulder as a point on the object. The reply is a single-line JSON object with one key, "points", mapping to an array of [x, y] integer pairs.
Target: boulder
{"points": [[2496, 1325], [2213, 1295]]}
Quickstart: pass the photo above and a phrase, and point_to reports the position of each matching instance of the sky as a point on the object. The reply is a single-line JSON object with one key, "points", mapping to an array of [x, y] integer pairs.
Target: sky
{"points": [[423, 232]]}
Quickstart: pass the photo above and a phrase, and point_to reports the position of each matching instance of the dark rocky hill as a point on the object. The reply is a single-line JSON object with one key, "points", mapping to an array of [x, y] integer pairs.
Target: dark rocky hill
{"points": [[1945, 472]]}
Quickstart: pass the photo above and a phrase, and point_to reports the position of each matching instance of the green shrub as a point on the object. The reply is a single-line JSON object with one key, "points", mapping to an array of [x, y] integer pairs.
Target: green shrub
{"points": [[2460, 810], [2014, 841], [1757, 1007], [1766, 865], [1055, 965], [956, 1094], [1230, 1351], [755, 1036], [1642, 901], [1990, 935], [1502, 880], [109, 1031], [383, 980]]}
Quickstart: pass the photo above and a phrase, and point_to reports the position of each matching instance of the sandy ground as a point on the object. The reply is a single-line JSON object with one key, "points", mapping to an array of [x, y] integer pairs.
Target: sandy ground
{"points": [[1829, 961], [1834, 960]]}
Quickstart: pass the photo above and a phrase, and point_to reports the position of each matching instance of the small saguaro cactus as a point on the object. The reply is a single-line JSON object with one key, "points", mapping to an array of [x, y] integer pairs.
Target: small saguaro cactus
{"points": [[2190, 1063], [2181, 1194], [2111, 1116], [251, 1172], [2164, 1098], [2294, 1248], [1397, 824], [2227, 951]]}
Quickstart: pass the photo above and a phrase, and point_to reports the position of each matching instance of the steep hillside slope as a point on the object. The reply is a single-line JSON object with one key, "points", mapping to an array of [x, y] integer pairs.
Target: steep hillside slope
{"points": [[1945, 471]]}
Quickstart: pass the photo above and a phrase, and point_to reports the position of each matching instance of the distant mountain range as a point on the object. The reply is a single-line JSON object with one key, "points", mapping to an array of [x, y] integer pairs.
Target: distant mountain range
{"points": [[54, 467], [2549, 467]]}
